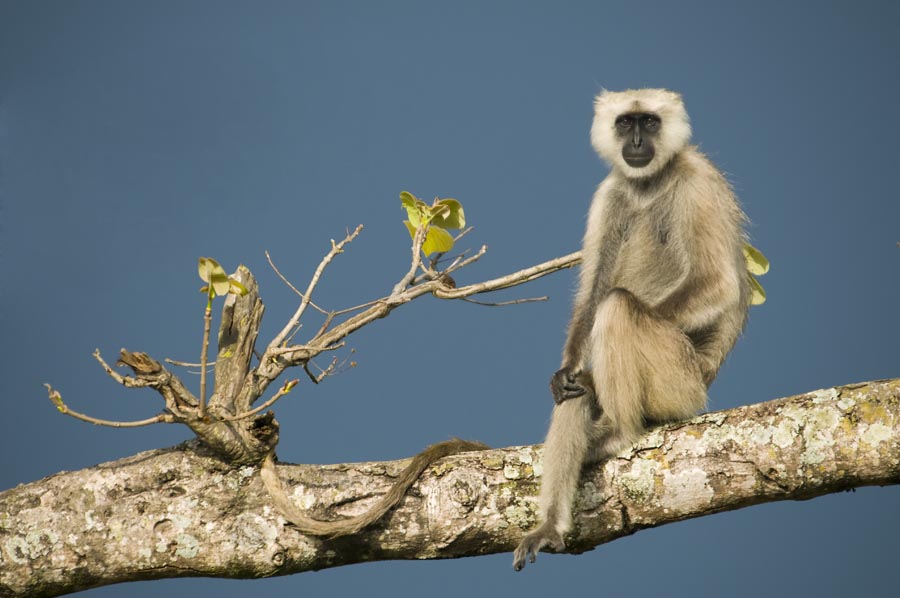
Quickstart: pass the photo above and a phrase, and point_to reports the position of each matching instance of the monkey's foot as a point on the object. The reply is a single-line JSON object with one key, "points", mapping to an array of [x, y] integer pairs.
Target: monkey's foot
{"points": [[566, 384], [531, 544]]}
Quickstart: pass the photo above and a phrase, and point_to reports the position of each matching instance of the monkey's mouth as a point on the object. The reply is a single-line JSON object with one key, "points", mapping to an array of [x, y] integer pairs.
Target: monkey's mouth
{"points": [[637, 161]]}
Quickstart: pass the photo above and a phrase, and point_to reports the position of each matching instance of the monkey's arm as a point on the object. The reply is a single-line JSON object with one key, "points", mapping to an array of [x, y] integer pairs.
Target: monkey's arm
{"points": [[598, 257], [571, 380]]}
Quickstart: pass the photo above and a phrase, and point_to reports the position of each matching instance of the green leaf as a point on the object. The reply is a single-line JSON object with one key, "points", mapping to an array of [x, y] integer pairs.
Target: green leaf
{"points": [[417, 210], [210, 271], [437, 240], [756, 262], [220, 283], [757, 293], [449, 214], [205, 266]]}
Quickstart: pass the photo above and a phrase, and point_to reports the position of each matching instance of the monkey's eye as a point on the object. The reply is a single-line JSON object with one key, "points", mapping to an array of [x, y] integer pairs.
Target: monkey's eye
{"points": [[624, 122], [651, 122]]}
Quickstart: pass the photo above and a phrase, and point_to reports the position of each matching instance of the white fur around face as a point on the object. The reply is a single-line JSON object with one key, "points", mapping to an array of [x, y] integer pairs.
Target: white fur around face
{"points": [[674, 134]]}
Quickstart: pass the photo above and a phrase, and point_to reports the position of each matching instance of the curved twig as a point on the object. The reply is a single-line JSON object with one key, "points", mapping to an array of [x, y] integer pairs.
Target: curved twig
{"points": [[336, 248]]}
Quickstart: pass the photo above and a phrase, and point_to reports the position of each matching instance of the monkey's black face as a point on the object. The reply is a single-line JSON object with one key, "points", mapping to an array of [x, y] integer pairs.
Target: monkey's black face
{"points": [[637, 132]]}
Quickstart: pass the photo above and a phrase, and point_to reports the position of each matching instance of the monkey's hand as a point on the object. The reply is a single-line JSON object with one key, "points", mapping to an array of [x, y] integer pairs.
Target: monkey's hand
{"points": [[567, 384], [531, 544]]}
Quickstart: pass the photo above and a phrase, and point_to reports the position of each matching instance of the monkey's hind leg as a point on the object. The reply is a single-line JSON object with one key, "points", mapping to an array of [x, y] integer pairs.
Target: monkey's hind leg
{"points": [[646, 369], [568, 443]]}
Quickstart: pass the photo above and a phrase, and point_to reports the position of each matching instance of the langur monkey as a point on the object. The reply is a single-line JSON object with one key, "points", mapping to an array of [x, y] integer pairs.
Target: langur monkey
{"points": [[662, 296]]}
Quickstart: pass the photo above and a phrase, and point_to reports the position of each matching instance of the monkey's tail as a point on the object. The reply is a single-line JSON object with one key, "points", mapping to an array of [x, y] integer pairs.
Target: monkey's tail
{"points": [[352, 525]]}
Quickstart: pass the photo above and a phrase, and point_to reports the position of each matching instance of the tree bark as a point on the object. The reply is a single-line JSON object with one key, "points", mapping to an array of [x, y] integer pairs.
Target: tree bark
{"points": [[182, 512]]}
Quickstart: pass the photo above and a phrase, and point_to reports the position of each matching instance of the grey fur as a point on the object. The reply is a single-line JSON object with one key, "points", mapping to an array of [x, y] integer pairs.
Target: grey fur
{"points": [[662, 297]]}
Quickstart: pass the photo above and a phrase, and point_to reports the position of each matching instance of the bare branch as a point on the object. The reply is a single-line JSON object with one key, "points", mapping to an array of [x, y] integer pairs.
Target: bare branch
{"points": [[186, 364], [463, 233], [56, 397], [336, 248], [325, 324], [348, 310], [462, 263], [286, 388], [126, 381], [238, 387], [510, 280], [308, 349], [416, 262], [288, 283], [204, 352], [439, 289], [151, 374]]}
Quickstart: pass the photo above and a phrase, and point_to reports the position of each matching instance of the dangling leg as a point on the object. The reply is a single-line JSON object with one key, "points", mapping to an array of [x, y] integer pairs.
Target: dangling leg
{"points": [[643, 368], [565, 450]]}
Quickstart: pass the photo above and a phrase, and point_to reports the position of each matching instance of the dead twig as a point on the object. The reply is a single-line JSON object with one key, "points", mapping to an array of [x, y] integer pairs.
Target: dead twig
{"points": [[336, 248], [56, 397], [286, 388], [288, 283]]}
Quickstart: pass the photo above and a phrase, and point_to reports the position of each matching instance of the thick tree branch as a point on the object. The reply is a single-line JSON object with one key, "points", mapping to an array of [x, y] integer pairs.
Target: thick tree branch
{"points": [[180, 512], [241, 319]]}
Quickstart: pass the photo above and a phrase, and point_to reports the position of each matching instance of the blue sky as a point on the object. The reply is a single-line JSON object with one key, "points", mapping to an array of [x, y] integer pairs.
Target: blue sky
{"points": [[135, 137]]}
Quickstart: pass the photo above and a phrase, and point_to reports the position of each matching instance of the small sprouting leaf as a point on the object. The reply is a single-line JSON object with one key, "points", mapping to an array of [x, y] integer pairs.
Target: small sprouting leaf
{"points": [[210, 271], [437, 240], [756, 262], [417, 210], [449, 214], [443, 214], [237, 288], [220, 283], [56, 398], [205, 266], [757, 293]]}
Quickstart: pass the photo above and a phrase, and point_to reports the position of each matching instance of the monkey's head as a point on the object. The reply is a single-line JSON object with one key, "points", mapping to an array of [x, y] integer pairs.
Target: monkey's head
{"points": [[639, 130]]}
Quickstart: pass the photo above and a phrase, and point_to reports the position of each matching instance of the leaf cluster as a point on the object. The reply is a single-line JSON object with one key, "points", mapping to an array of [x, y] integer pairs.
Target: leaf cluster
{"points": [[217, 281], [757, 265], [435, 219]]}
